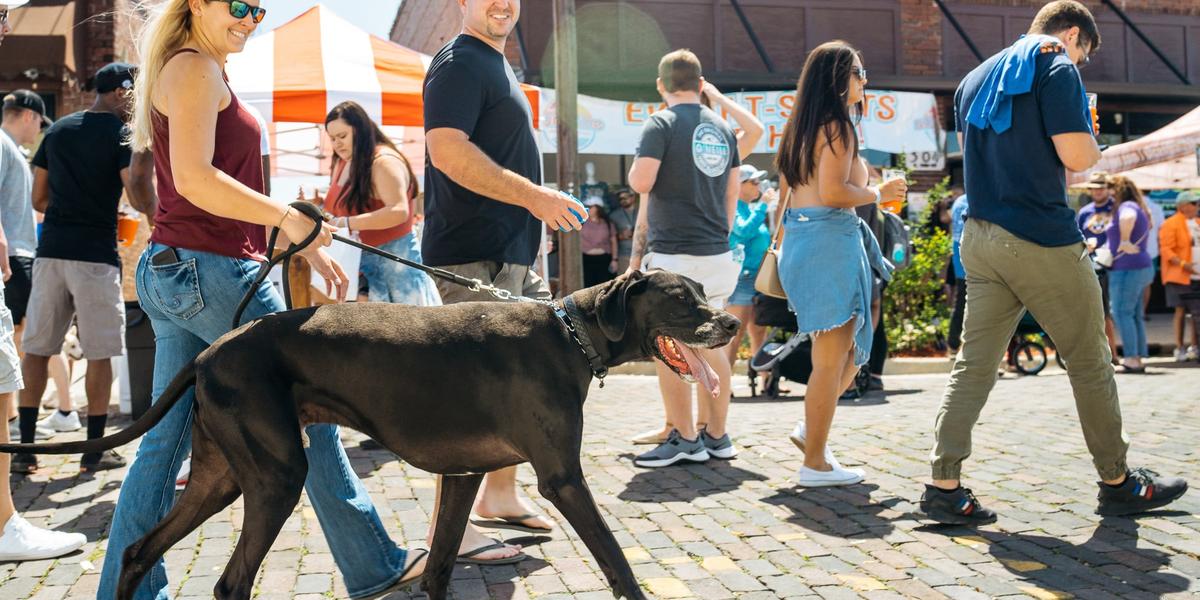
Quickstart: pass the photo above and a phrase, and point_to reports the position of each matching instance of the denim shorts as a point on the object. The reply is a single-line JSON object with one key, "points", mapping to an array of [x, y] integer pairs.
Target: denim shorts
{"points": [[743, 294]]}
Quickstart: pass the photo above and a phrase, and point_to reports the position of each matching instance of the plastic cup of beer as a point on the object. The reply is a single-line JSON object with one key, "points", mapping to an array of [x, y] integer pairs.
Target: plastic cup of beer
{"points": [[1093, 99], [127, 227], [892, 206]]}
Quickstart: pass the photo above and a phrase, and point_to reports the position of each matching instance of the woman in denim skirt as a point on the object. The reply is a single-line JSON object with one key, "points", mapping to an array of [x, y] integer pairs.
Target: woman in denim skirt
{"points": [[830, 257], [371, 193]]}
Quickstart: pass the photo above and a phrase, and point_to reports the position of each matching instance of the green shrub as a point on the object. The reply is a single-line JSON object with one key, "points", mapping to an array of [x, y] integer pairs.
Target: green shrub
{"points": [[915, 308]]}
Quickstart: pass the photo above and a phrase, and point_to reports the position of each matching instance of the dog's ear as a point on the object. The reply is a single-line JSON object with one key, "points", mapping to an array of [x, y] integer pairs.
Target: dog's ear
{"points": [[612, 301]]}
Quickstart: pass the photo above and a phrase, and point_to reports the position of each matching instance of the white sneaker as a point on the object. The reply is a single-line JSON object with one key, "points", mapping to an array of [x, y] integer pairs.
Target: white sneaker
{"points": [[1193, 353], [832, 478], [39, 433], [797, 437], [57, 422], [22, 541]]}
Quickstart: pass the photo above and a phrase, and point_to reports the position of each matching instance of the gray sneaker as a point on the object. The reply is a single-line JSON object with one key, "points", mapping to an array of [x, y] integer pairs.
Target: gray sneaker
{"points": [[721, 447], [672, 451]]}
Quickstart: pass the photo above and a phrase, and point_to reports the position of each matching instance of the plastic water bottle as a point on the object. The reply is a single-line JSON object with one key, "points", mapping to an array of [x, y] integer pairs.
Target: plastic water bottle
{"points": [[897, 253], [739, 253]]}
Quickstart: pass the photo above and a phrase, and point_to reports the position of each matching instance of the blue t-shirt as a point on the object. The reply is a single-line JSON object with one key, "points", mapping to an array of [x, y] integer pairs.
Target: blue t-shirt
{"points": [[751, 232], [1015, 179]]}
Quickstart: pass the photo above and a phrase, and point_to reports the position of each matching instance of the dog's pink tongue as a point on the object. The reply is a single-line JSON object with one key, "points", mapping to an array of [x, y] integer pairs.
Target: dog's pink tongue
{"points": [[701, 370]]}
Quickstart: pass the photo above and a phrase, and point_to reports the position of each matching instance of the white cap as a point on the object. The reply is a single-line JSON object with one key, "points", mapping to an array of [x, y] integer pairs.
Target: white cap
{"points": [[748, 172]]}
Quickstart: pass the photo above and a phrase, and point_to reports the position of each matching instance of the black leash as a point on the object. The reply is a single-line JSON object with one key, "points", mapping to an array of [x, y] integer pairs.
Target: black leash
{"points": [[568, 313]]}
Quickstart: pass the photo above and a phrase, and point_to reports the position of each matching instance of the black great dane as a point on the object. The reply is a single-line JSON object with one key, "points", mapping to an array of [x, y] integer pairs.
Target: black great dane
{"points": [[459, 390]]}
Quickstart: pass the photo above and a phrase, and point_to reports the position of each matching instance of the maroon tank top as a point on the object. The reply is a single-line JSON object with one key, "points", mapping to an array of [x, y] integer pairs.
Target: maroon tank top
{"points": [[179, 223]]}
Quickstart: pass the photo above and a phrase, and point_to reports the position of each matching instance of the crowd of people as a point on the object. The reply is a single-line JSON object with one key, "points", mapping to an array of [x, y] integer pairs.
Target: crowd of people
{"points": [[175, 139]]}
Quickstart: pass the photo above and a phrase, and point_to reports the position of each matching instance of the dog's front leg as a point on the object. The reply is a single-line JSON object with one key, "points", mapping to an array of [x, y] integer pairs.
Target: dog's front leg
{"points": [[454, 508], [566, 488]]}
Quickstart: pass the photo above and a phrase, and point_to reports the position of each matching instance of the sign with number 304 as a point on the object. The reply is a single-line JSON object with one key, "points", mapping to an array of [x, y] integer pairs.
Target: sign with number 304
{"points": [[926, 161]]}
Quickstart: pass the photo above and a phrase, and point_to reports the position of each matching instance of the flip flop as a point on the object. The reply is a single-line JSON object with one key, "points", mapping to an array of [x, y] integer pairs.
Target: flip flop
{"points": [[406, 578], [514, 523], [466, 558]]}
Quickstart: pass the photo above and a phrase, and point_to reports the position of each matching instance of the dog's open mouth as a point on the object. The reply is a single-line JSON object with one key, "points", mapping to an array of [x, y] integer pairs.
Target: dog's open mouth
{"points": [[687, 363]]}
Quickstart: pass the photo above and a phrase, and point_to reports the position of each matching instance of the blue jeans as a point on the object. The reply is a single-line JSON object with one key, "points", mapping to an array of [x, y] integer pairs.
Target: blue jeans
{"points": [[390, 281], [190, 304], [1126, 290]]}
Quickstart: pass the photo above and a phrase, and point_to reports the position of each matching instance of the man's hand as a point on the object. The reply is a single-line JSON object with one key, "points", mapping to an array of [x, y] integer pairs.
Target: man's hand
{"points": [[555, 209]]}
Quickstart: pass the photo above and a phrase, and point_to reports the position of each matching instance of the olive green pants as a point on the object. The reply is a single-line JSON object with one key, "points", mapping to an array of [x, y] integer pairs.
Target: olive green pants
{"points": [[1006, 275]]}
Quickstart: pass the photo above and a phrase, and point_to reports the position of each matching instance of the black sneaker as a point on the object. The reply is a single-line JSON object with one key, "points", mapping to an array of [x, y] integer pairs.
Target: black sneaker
{"points": [[955, 508], [109, 459], [23, 464], [1142, 490]]}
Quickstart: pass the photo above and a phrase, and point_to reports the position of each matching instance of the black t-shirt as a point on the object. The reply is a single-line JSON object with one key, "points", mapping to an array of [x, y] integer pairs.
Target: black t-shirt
{"points": [[83, 154], [472, 88]]}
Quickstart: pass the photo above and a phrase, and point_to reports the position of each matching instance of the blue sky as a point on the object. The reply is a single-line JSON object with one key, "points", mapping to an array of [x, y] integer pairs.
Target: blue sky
{"points": [[375, 16]]}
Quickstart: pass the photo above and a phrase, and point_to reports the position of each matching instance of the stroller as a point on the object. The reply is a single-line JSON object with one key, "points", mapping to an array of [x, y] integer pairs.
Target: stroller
{"points": [[1027, 350], [788, 354]]}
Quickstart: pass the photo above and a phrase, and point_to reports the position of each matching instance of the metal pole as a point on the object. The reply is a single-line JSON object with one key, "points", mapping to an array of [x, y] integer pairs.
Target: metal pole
{"points": [[961, 32], [762, 51], [566, 84], [1148, 42]]}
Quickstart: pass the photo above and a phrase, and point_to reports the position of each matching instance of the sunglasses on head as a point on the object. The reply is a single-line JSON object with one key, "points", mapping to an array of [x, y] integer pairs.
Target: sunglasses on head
{"points": [[239, 9]]}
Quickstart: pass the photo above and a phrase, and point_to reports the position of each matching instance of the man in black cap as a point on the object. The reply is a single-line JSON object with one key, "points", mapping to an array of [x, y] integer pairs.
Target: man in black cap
{"points": [[80, 170]]}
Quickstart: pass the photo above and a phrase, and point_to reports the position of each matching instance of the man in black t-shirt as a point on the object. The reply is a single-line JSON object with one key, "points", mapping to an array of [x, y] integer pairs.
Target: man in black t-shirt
{"points": [[80, 170], [483, 204]]}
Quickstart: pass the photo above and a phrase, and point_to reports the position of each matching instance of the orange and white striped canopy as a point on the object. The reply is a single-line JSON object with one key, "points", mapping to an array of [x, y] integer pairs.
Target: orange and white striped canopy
{"points": [[297, 72]]}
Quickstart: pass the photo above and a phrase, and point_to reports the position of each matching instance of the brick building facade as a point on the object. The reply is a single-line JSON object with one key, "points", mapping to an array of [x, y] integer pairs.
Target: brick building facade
{"points": [[57, 45], [908, 45]]}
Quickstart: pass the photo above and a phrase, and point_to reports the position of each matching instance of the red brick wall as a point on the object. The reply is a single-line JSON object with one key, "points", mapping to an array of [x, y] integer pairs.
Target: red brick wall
{"points": [[922, 38], [106, 33]]}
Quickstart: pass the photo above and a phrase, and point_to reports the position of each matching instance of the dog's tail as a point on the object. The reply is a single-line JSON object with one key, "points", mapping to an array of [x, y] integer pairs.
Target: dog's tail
{"points": [[184, 380]]}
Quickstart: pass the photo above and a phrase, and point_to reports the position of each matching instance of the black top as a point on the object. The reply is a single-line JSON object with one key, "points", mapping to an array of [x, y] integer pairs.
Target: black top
{"points": [[472, 88], [83, 154]]}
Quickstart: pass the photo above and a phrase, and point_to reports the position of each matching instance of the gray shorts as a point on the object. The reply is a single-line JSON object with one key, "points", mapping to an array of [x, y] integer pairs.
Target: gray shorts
{"points": [[90, 293], [1187, 296], [519, 280], [10, 365]]}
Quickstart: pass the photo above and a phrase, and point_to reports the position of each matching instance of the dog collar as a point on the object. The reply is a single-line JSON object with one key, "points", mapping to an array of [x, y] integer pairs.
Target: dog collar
{"points": [[568, 313]]}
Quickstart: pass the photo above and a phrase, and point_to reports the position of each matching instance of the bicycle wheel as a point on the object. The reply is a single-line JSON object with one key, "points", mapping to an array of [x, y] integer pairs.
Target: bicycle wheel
{"points": [[1030, 357]]}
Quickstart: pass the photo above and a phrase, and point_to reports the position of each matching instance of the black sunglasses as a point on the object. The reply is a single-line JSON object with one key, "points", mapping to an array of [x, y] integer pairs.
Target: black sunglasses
{"points": [[4, 16], [239, 9], [859, 72]]}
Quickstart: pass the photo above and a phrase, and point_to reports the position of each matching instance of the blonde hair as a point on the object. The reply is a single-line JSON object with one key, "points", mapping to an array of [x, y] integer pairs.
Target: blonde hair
{"points": [[167, 29]]}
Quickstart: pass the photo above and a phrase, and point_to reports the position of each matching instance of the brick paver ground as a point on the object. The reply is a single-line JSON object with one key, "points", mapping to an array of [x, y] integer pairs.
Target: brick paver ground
{"points": [[741, 529]]}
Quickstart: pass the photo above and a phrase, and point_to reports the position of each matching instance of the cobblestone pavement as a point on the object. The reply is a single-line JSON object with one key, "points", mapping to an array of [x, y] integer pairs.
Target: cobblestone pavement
{"points": [[741, 529]]}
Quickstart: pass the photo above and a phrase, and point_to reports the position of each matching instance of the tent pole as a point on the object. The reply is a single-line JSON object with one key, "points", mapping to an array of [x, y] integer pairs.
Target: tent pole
{"points": [[566, 83]]}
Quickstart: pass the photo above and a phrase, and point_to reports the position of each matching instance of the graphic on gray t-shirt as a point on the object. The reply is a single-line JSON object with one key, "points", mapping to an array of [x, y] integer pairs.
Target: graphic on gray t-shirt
{"points": [[687, 203], [16, 199]]}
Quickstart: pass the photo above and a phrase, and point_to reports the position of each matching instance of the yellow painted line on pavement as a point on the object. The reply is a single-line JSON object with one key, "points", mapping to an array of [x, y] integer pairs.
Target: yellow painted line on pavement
{"points": [[1044, 594], [1022, 566], [787, 537], [971, 540], [635, 554], [668, 587], [718, 563]]}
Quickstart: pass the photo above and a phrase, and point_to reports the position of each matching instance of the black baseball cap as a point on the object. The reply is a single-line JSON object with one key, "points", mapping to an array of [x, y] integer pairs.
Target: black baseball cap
{"points": [[114, 76], [30, 101]]}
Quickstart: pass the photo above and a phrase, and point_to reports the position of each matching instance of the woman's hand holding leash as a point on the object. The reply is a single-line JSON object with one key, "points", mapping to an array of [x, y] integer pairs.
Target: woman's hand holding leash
{"points": [[297, 226]]}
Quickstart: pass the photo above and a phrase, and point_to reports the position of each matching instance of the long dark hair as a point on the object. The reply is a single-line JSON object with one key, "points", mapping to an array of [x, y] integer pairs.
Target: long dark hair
{"points": [[367, 137], [1126, 190], [820, 107]]}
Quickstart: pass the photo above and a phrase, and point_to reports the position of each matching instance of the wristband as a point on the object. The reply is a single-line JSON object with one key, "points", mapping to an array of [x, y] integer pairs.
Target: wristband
{"points": [[284, 218], [878, 195]]}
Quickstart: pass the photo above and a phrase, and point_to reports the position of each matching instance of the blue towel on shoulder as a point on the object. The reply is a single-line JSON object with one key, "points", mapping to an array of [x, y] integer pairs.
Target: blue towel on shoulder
{"points": [[1011, 75]]}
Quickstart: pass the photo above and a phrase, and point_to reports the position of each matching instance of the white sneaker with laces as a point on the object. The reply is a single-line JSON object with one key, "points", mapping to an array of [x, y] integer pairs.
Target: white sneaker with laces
{"points": [[57, 422], [1180, 355], [20, 540], [40, 433], [1193, 353], [836, 476], [797, 437]]}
